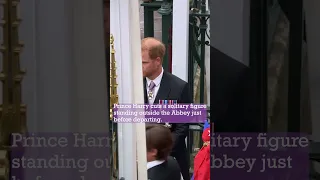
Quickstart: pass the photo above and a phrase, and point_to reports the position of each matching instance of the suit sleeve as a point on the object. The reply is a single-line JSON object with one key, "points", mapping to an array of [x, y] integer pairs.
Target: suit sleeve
{"points": [[182, 130]]}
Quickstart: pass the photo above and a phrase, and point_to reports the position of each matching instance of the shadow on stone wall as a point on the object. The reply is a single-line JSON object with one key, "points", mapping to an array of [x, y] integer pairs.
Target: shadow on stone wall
{"points": [[277, 77], [278, 82]]}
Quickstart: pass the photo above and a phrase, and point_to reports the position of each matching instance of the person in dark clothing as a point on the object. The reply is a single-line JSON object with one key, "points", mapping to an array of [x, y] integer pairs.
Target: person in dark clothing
{"points": [[160, 86], [159, 144]]}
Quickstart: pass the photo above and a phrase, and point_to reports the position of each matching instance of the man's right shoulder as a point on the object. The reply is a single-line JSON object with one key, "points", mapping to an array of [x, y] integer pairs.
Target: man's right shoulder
{"points": [[176, 80]]}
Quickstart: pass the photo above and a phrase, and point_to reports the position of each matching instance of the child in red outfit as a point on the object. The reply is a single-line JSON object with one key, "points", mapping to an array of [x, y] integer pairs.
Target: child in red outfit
{"points": [[202, 159]]}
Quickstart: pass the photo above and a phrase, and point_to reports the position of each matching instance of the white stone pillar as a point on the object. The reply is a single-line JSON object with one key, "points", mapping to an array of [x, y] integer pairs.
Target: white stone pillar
{"points": [[180, 39], [124, 25], [138, 90]]}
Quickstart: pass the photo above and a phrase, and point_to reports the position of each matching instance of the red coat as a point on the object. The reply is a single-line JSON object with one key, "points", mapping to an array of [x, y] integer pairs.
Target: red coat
{"points": [[202, 159]]}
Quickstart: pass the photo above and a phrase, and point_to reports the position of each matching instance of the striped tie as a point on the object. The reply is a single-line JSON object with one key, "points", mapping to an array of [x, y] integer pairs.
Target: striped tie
{"points": [[152, 85]]}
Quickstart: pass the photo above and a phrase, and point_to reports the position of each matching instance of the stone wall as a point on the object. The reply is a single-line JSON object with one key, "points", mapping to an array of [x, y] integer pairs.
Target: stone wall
{"points": [[278, 82], [157, 24]]}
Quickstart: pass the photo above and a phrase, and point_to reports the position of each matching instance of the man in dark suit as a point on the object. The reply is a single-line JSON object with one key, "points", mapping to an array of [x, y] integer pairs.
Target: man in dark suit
{"points": [[160, 85], [159, 144]]}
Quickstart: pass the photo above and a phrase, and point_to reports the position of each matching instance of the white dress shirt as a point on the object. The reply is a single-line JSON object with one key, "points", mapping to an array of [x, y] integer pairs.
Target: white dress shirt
{"points": [[152, 164], [157, 82]]}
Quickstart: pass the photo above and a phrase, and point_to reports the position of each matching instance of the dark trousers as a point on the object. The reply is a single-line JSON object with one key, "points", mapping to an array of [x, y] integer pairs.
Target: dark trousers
{"points": [[183, 161]]}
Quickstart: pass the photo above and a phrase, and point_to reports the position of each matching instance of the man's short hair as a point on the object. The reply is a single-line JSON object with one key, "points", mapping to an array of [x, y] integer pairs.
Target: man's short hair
{"points": [[159, 137], [155, 51]]}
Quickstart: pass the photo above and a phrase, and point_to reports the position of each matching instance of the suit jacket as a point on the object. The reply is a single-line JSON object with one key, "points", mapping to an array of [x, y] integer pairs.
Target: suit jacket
{"points": [[173, 88], [169, 170]]}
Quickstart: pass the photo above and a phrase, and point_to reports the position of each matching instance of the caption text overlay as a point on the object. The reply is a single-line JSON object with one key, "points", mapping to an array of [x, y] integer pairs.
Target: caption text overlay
{"points": [[159, 113], [259, 156], [52, 156]]}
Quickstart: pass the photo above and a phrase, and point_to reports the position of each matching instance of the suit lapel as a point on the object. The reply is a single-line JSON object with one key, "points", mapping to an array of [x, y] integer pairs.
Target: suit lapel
{"points": [[164, 89], [145, 91]]}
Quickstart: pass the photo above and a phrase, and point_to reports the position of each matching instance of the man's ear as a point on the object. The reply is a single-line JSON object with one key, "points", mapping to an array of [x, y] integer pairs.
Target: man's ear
{"points": [[158, 59]]}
